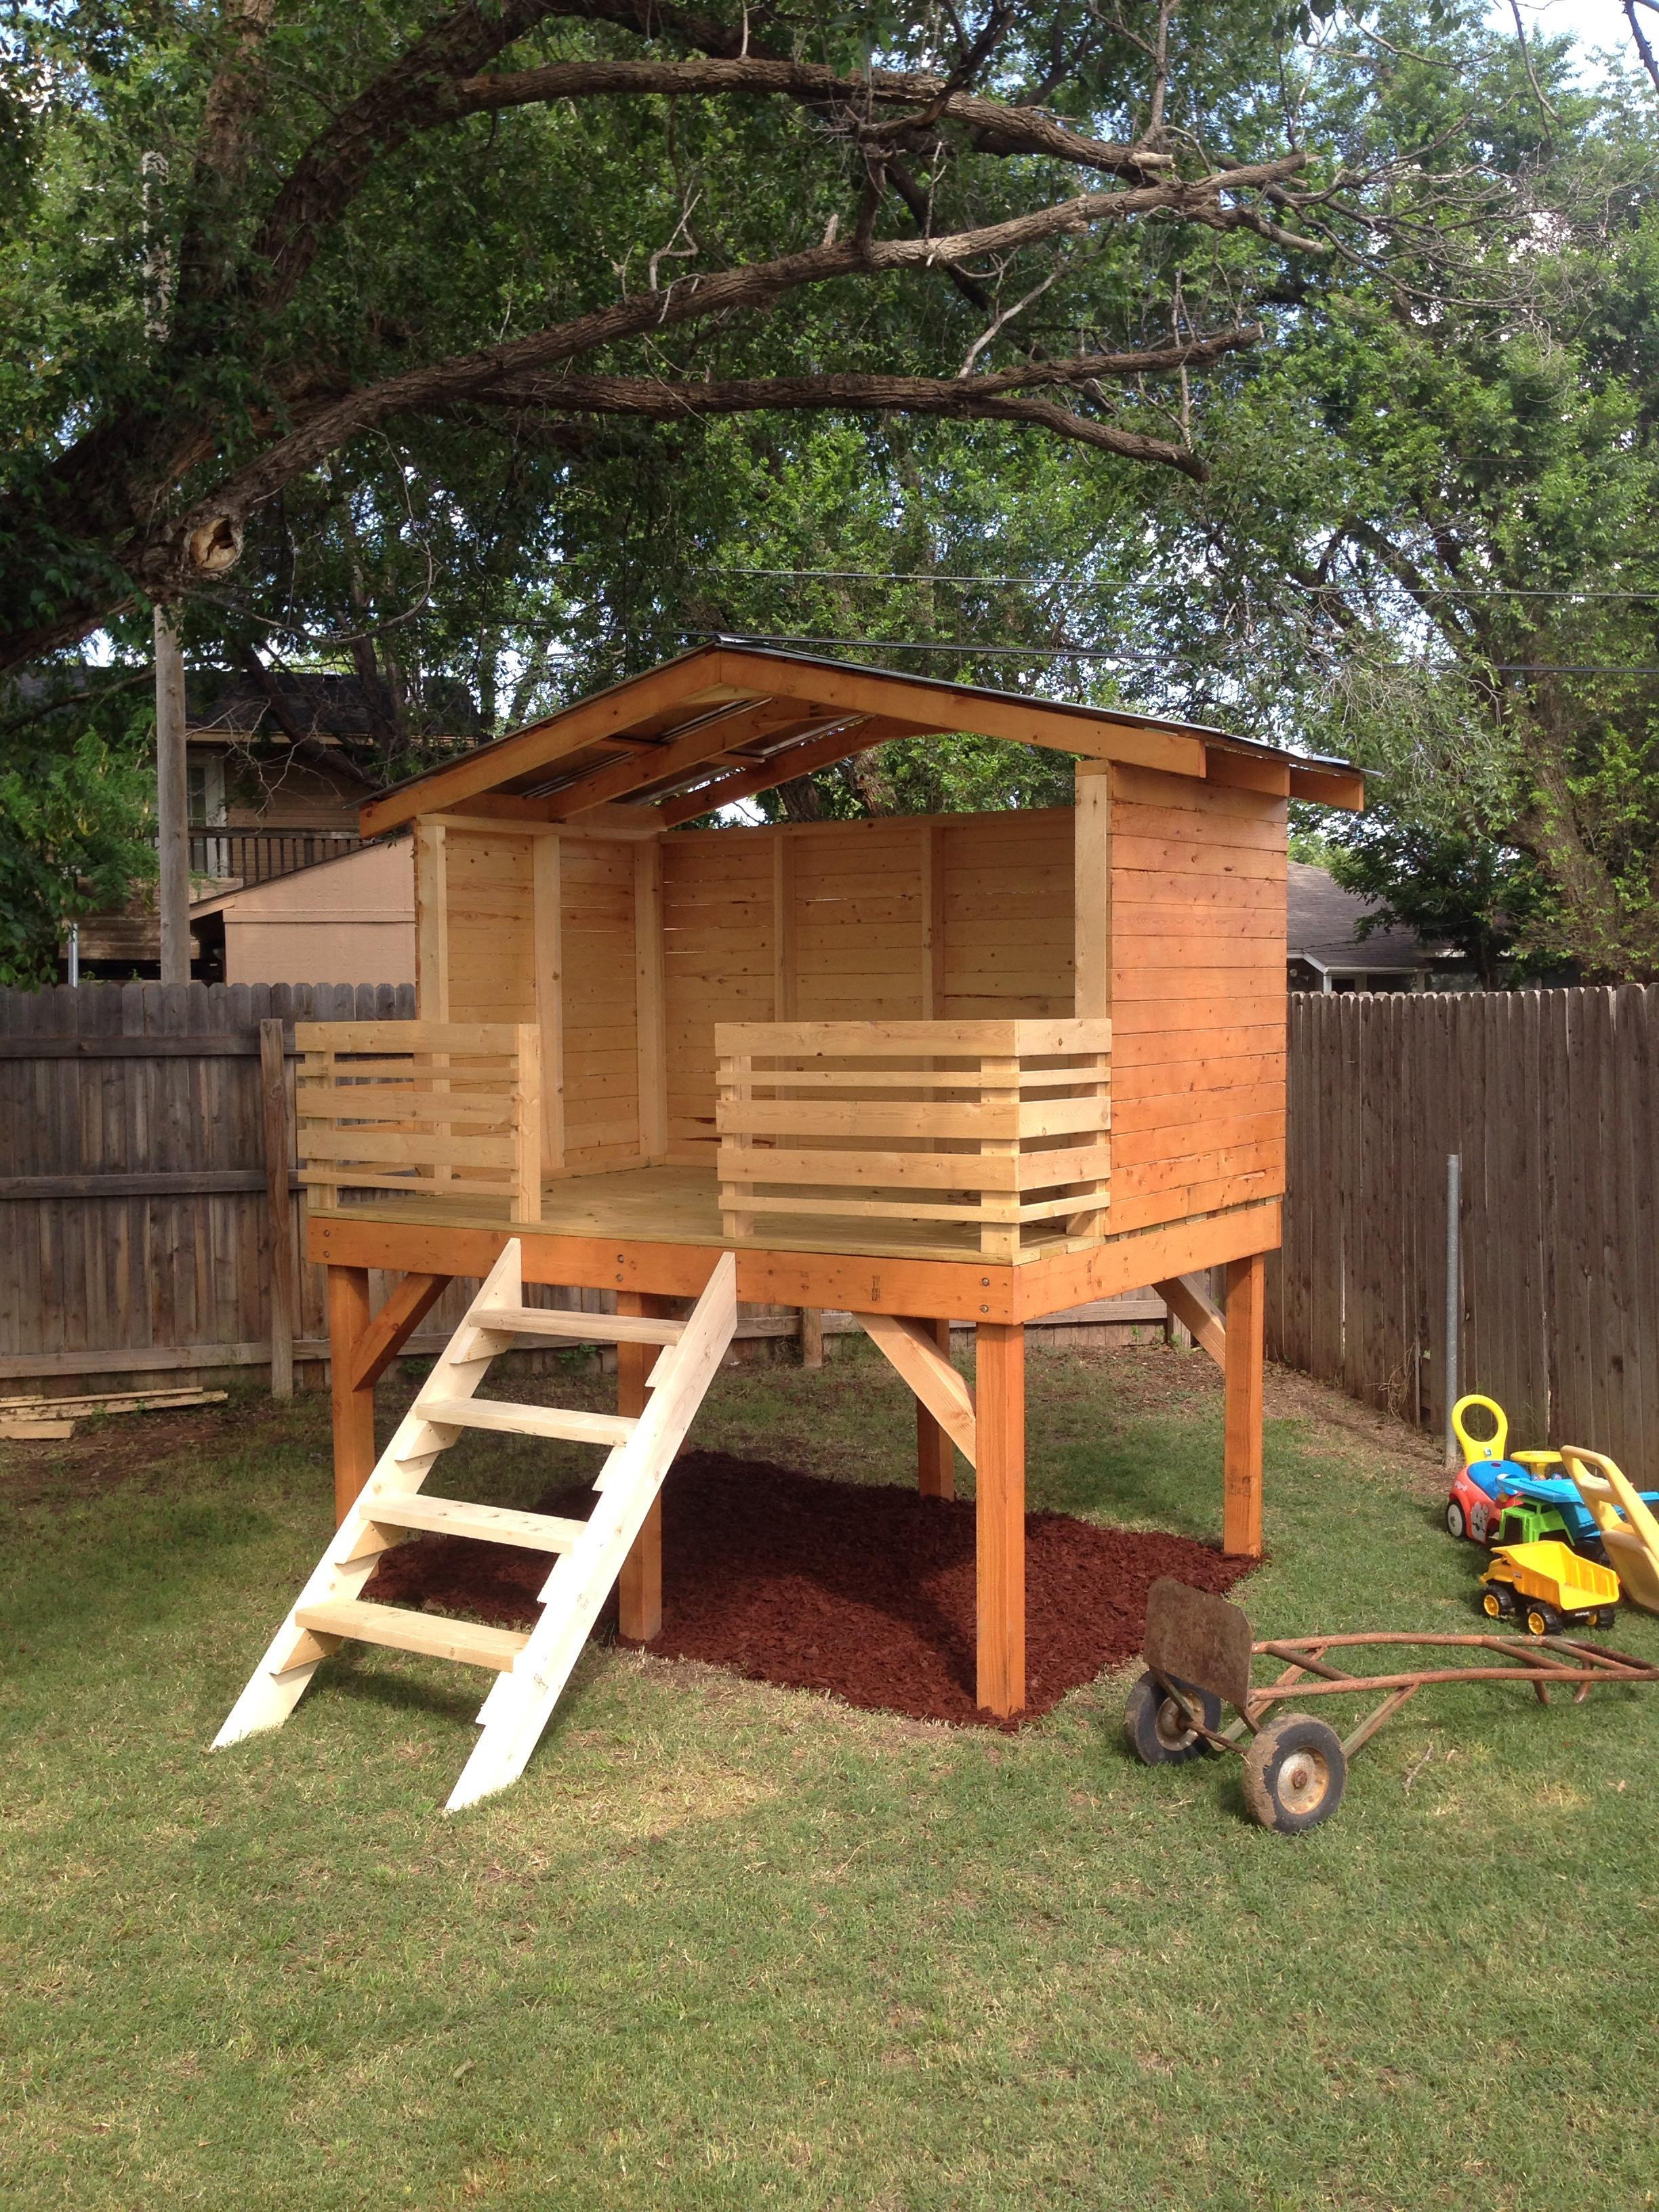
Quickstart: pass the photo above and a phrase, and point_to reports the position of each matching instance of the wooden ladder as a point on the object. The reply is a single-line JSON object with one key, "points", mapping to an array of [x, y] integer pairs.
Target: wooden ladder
{"points": [[531, 1670]]}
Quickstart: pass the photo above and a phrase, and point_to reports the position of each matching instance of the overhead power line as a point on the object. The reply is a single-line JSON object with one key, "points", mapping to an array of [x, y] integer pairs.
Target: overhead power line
{"points": [[968, 646], [1461, 590], [938, 645]]}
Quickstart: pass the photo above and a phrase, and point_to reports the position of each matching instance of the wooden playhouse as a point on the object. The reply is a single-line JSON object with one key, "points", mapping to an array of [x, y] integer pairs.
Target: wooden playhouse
{"points": [[972, 1068]]}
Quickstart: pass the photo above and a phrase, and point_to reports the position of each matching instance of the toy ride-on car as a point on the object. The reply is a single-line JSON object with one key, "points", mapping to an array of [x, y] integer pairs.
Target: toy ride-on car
{"points": [[1489, 1477], [1548, 1587], [1490, 1486]]}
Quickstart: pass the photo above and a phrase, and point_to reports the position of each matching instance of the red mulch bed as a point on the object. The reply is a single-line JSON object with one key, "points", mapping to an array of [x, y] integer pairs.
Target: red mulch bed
{"points": [[866, 1592]]}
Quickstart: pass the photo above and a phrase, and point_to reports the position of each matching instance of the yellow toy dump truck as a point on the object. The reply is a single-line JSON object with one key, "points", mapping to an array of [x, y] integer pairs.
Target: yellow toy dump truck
{"points": [[1548, 1587]]}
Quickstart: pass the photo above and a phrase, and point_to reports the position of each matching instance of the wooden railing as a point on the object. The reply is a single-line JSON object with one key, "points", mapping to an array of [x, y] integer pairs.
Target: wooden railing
{"points": [[994, 1130], [447, 1109], [259, 856]]}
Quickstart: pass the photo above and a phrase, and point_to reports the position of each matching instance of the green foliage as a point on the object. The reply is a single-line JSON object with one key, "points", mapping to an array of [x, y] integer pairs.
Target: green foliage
{"points": [[1449, 886], [74, 822]]}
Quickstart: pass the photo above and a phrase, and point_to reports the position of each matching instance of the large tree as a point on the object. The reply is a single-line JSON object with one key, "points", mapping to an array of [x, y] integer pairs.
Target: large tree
{"points": [[1427, 541], [261, 255]]}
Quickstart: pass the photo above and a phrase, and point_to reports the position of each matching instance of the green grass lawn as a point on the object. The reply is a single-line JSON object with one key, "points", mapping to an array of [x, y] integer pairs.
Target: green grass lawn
{"points": [[727, 1945]]}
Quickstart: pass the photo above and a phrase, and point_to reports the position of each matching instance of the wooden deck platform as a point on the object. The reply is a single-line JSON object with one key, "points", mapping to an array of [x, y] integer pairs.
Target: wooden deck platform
{"points": [[658, 1230], [680, 1204]]}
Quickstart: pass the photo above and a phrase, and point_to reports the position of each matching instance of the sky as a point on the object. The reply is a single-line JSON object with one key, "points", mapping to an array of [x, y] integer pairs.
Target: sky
{"points": [[1592, 22]]}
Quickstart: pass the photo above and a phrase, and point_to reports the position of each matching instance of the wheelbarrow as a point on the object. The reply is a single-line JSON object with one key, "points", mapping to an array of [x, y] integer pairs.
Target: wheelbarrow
{"points": [[1198, 1652]]}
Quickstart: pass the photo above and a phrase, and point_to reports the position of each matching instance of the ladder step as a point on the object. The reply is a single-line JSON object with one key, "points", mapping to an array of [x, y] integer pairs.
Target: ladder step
{"points": [[578, 1328], [512, 1420], [492, 1524], [469, 1641]]}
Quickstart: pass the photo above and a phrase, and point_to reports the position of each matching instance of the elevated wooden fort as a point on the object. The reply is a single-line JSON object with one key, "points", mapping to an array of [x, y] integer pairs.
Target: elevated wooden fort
{"points": [[976, 1068]]}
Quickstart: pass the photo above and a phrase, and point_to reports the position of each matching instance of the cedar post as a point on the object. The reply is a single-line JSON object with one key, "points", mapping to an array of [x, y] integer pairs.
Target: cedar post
{"points": [[638, 1588], [936, 1463], [1241, 1521], [280, 1227], [812, 1337], [353, 1404], [999, 1515]]}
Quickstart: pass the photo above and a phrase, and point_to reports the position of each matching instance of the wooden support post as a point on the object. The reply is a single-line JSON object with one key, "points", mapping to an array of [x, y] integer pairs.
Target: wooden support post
{"points": [[1000, 1516], [171, 802], [547, 931], [273, 1080], [1092, 889], [649, 999], [811, 1338], [934, 924], [639, 1587], [1241, 1521], [936, 1459], [783, 927], [353, 1402]]}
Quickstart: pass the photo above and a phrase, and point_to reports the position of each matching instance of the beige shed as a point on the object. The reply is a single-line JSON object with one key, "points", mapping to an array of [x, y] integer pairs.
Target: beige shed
{"points": [[349, 919]]}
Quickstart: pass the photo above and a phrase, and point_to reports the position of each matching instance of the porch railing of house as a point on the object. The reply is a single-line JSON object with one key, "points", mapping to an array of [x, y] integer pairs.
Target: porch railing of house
{"points": [[449, 1110], [257, 856], [995, 1130]]}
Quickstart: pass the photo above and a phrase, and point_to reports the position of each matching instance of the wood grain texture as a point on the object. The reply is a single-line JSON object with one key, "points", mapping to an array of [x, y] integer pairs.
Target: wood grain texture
{"points": [[999, 1516], [936, 1465], [639, 1586], [139, 1217], [352, 1403], [1198, 992], [1243, 1366]]}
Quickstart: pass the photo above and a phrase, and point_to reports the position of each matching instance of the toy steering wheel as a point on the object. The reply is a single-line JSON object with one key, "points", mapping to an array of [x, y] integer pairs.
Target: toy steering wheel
{"points": [[1481, 1448]]}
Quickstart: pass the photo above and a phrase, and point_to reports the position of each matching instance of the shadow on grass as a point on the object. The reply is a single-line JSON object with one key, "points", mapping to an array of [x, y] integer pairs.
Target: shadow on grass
{"points": [[363, 1681], [1151, 1474]]}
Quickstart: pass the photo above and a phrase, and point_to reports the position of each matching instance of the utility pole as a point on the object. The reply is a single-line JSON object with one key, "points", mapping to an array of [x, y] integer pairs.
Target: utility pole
{"points": [[172, 784], [171, 802]]}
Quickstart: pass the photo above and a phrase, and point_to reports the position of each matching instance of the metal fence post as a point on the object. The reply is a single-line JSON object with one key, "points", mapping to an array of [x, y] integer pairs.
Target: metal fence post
{"points": [[1454, 1301]]}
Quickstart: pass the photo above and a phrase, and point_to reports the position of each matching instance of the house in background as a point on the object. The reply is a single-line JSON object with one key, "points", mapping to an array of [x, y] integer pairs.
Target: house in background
{"points": [[1327, 952], [273, 788]]}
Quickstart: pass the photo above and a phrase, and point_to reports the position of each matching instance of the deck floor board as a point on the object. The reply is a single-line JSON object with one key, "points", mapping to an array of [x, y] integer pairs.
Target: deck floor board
{"points": [[680, 1204]]}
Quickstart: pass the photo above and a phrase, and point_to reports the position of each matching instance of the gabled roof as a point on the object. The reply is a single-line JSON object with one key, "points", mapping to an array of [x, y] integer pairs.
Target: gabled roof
{"points": [[1324, 921], [728, 720], [319, 707]]}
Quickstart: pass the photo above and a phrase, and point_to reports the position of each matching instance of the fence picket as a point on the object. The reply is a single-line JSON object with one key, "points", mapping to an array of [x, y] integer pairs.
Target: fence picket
{"points": [[1552, 1097]]}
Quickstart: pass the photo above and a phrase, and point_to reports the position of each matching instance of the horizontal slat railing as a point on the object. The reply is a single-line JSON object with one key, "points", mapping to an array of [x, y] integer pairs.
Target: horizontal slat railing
{"points": [[259, 856], [451, 1109], [997, 1130]]}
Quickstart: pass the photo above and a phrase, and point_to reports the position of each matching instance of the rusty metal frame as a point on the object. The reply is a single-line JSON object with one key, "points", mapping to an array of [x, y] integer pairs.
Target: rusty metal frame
{"points": [[1543, 1661]]}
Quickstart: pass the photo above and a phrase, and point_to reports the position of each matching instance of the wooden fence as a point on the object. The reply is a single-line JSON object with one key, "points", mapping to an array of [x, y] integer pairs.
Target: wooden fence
{"points": [[1549, 1099], [149, 1202], [142, 1139]]}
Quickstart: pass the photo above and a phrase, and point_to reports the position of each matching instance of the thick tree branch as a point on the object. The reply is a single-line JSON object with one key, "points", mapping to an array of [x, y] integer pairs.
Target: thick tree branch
{"points": [[965, 399], [994, 127], [1649, 61], [980, 398], [234, 100], [757, 285], [412, 95], [431, 85], [663, 399]]}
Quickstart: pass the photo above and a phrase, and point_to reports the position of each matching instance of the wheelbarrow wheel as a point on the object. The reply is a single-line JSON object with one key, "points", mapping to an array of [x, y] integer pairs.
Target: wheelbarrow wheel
{"points": [[1295, 1773], [1158, 1731]]}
